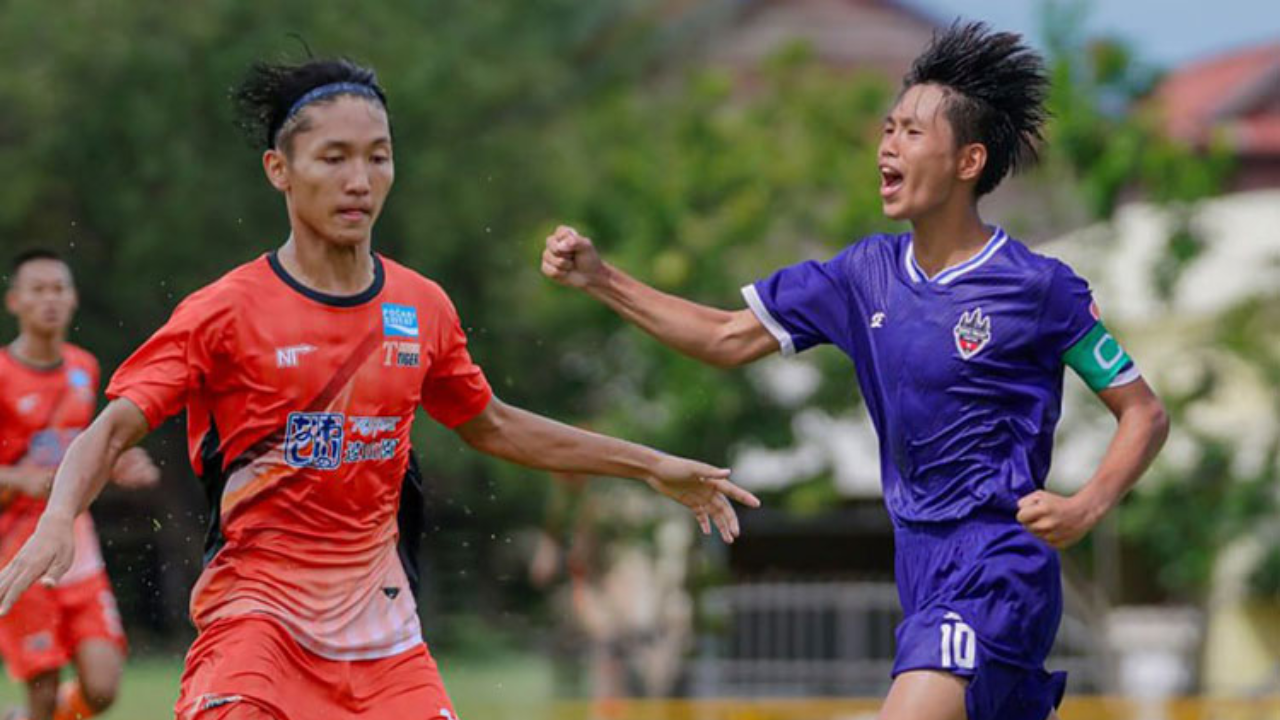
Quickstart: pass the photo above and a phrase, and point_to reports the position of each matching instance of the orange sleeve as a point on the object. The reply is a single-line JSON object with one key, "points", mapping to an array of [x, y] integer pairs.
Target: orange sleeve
{"points": [[160, 376], [455, 389]]}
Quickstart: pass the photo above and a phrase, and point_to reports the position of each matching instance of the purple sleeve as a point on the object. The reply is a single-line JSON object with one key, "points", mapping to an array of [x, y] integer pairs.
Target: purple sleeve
{"points": [[1069, 312], [803, 305]]}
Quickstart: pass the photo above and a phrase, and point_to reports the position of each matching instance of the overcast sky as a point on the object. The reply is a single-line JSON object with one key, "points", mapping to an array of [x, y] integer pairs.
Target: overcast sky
{"points": [[1164, 32]]}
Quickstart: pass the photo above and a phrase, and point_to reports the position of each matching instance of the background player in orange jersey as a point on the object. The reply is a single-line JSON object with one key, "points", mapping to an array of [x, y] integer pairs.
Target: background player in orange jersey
{"points": [[300, 372], [48, 393]]}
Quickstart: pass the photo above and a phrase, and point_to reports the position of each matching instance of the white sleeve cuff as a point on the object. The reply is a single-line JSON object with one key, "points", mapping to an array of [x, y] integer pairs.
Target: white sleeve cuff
{"points": [[1126, 377], [779, 333]]}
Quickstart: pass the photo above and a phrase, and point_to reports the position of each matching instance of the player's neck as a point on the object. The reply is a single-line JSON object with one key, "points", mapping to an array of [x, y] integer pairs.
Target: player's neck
{"points": [[948, 237], [327, 267], [37, 349]]}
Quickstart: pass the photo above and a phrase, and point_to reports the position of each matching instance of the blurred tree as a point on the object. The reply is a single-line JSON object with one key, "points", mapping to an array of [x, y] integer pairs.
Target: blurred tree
{"points": [[118, 148], [1106, 142]]}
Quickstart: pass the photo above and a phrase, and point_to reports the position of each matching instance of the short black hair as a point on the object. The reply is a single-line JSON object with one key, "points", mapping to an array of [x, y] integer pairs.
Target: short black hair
{"points": [[31, 255], [996, 87], [269, 90]]}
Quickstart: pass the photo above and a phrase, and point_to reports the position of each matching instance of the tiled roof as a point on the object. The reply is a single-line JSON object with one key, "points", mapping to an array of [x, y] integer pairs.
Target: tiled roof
{"points": [[1237, 94]]}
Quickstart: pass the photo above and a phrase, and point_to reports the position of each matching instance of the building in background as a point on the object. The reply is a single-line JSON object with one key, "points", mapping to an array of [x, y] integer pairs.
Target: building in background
{"points": [[1234, 99]]}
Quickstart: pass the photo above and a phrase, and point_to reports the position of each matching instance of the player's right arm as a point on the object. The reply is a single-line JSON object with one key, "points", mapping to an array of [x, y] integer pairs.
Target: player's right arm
{"points": [[48, 553], [723, 338]]}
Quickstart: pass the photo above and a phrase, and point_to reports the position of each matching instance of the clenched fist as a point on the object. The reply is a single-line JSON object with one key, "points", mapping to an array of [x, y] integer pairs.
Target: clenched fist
{"points": [[570, 259]]}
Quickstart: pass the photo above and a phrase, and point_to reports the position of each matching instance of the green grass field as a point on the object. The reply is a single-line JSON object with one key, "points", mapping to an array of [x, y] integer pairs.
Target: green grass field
{"points": [[520, 687], [495, 689]]}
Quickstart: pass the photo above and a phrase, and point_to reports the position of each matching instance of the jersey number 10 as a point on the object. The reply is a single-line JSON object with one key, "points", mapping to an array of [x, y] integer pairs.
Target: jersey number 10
{"points": [[959, 643]]}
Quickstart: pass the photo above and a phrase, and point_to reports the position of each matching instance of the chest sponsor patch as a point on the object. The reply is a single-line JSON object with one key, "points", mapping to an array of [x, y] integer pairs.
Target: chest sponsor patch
{"points": [[399, 320], [972, 333], [398, 353], [325, 441]]}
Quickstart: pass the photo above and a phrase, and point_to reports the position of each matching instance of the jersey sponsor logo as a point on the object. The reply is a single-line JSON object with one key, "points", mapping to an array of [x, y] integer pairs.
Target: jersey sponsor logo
{"points": [[371, 426], [959, 643], [314, 440], [27, 403], [289, 357], [361, 451], [877, 320], [321, 441], [397, 353], [46, 448], [78, 378], [399, 320], [209, 701], [972, 333]]}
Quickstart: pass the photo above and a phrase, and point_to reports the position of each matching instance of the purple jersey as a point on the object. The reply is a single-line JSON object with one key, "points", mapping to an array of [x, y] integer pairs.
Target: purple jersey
{"points": [[962, 372]]}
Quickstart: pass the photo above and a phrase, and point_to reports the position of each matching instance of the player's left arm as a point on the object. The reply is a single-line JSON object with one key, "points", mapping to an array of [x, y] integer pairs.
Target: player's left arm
{"points": [[1142, 426], [538, 442]]}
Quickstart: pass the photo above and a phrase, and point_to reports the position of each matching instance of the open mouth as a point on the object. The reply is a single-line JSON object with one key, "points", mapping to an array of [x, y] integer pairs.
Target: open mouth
{"points": [[890, 181]]}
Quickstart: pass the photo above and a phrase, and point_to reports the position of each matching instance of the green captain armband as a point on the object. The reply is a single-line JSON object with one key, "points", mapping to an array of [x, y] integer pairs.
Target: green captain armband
{"points": [[1098, 359]]}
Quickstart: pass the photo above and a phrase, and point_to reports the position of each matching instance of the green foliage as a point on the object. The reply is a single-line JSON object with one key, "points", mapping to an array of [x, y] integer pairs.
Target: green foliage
{"points": [[119, 149]]}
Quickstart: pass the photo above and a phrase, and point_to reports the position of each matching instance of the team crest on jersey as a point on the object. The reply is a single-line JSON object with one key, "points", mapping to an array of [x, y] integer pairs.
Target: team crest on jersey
{"points": [[973, 332], [399, 320], [314, 440]]}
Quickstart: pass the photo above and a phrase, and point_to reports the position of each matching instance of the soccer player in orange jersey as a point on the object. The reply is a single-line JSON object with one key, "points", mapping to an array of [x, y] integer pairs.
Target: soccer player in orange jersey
{"points": [[300, 372], [48, 392]]}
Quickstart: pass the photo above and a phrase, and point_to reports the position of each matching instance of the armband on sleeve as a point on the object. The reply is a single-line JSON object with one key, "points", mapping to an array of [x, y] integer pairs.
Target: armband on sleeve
{"points": [[1100, 361]]}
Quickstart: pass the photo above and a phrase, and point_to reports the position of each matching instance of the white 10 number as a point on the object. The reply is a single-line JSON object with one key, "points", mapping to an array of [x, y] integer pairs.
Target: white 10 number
{"points": [[958, 643]]}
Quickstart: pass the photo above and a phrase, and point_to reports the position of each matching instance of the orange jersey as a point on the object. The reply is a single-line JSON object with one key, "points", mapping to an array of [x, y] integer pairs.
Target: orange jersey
{"points": [[299, 407], [41, 411]]}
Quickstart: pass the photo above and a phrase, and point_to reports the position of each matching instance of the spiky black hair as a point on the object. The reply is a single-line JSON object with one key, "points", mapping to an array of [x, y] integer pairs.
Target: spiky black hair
{"points": [[31, 255], [996, 89], [267, 93]]}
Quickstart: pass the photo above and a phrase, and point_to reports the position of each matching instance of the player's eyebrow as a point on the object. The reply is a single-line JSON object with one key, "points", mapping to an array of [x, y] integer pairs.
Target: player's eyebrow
{"points": [[900, 119], [336, 144]]}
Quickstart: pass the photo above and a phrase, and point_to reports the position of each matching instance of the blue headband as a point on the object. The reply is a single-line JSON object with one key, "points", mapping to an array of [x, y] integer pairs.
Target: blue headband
{"points": [[327, 91]]}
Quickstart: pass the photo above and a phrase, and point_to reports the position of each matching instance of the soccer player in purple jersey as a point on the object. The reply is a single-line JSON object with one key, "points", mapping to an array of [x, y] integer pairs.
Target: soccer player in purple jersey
{"points": [[959, 336]]}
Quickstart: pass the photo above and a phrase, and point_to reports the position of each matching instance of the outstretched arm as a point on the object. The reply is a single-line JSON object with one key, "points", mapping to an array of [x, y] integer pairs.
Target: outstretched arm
{"points": [[534, 441], [1142, 426], [93, 454], [717, 337], [31, 480]]}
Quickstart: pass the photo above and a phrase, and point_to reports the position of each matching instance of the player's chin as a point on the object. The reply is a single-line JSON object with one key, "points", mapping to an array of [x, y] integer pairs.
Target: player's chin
{"points": [[895, 209], [348, 235]]}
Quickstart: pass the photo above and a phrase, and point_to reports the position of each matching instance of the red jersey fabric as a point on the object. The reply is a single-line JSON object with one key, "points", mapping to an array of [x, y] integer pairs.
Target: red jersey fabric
{"points": [[41, 411], [299, 407]]}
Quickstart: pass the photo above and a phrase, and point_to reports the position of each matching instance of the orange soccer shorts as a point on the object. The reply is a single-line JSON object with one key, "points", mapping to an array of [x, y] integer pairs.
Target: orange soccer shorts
{"points": [[251, 668], [43, 629]]}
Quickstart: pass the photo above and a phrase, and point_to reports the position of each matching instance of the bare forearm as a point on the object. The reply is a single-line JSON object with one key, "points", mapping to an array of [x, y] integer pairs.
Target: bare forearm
{"points": [[87, 465], [711, 335], [522, 437], [1140, 434], [28, 480]]}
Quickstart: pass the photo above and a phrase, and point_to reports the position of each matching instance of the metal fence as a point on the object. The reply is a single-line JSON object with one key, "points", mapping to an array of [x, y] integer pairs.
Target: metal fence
{"points": [[791, 639]]}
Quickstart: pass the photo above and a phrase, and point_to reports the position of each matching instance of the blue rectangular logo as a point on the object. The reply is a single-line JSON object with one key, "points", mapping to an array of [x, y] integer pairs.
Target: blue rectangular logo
{"points": [[399, 320], [314, 440]]}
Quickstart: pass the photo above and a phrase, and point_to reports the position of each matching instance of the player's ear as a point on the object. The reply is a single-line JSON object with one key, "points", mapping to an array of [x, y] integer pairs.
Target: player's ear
{"points": [[972, 160], [276, 165]]}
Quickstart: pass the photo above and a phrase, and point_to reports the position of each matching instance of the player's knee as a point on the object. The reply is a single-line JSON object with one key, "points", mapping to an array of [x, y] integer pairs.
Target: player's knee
{"points": [[99, 692]]}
